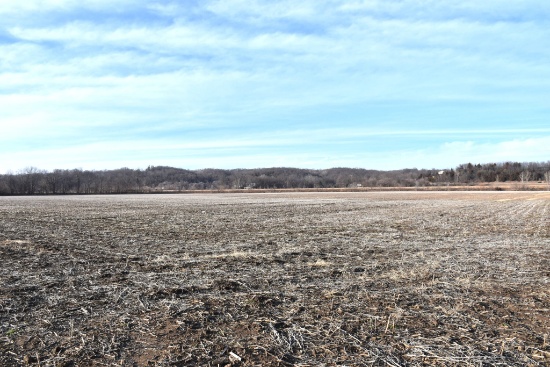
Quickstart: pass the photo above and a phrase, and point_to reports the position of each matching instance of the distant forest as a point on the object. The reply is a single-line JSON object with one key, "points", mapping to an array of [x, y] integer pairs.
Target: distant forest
{"points": [[33, 181]]}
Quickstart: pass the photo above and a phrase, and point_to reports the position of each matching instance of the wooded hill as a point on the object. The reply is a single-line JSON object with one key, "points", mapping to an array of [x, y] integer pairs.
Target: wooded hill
{"points": [[33, 181]]}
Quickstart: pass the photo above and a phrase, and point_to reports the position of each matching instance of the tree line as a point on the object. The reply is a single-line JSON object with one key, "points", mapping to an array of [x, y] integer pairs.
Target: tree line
{"points": [[33, 181]]}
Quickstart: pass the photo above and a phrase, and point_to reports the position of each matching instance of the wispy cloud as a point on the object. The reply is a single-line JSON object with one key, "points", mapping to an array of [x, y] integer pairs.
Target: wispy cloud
{"points": [[271, 79], [284, 148]]}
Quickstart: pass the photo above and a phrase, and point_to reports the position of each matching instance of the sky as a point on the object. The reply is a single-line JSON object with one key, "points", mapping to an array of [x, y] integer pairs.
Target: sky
{"points": [[377, 84]]}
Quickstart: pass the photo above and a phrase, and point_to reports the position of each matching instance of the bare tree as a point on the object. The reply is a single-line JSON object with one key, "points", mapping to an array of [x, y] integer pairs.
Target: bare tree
{"points": [[525, 176], [53, 181], [32, 178]]}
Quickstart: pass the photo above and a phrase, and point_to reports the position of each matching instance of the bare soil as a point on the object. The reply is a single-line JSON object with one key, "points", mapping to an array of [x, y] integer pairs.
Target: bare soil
{"points": [[285, 279]]}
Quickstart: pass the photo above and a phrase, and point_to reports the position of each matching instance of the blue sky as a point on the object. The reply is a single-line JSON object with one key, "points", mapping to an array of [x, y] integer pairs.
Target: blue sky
{"points": [[242, 84]]}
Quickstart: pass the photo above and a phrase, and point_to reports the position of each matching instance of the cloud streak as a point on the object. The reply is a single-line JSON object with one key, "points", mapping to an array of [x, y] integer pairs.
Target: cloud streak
{"points": [[270, 80], [284, 149]]}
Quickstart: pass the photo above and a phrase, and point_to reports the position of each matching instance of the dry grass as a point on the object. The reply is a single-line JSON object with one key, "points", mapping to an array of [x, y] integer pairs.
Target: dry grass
{"points": [[293, 279]]}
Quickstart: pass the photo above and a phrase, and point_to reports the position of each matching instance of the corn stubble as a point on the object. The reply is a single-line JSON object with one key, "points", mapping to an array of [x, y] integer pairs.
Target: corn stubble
{"points": [[296, 279]]}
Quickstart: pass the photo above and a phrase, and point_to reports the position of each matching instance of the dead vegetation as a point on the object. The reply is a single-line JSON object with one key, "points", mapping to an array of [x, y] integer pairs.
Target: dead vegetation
{"points": [[302, 279]]}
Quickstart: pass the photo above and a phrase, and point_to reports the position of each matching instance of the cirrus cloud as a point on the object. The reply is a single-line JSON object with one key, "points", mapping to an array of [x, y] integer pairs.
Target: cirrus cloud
{"points": [[371, 83]]}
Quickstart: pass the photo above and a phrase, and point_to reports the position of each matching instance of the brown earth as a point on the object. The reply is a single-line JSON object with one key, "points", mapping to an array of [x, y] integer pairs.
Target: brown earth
{"points": [[285, 279]]}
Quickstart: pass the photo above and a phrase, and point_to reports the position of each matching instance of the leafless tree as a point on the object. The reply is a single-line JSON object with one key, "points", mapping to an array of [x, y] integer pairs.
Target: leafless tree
{"points": [[525, 176]]}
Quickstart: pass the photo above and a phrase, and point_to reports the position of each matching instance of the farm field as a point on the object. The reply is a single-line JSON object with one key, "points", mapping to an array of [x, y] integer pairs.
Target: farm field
{"points": [[280, 279]]}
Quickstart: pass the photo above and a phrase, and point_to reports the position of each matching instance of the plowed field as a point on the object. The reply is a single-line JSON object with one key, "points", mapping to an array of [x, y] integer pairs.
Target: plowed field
{"points": [[295, 279]]}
